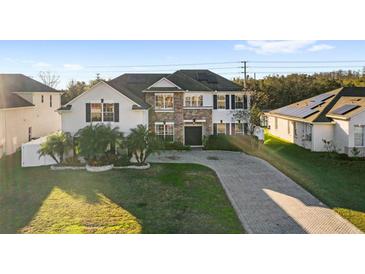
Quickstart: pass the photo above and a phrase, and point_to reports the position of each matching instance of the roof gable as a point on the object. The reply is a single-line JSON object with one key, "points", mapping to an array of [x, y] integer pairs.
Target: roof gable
{"points": [[164, 83]]}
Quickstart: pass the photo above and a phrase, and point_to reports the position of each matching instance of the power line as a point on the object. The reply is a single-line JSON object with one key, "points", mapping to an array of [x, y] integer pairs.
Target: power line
{"points": [[306, 66], [309, 62], [163, 65]]}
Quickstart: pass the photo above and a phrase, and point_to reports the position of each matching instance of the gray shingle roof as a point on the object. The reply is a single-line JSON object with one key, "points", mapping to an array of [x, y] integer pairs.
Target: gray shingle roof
{"points": [[10, 83]]}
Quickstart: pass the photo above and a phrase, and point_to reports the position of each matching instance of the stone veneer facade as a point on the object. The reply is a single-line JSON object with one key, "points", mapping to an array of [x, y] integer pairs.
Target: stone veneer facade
{"points": [[178, 115]]}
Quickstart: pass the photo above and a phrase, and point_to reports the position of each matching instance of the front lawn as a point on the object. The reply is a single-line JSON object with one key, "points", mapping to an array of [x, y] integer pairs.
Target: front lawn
{"points": [[337, 181], [167, 198]]}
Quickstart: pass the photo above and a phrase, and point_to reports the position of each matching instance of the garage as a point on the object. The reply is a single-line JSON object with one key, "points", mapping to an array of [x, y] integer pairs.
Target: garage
{"points": [[193, 135]]}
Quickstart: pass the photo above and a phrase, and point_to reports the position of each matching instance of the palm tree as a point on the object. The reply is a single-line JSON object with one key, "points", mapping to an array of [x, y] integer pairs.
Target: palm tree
{"points": [[141, 143], [56, 146], [95, 141]]}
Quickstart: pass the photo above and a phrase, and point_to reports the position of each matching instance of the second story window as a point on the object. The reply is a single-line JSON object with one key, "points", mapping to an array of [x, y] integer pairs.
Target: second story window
{"points": [[239, 101], [194, 101], [42, 98], [164, 101], [50, 101], [221, 102]]}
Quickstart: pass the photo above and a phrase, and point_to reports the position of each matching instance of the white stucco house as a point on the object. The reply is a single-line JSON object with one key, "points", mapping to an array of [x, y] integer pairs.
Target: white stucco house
{"points": [[183, 106], [337, 116], [27, 111]]}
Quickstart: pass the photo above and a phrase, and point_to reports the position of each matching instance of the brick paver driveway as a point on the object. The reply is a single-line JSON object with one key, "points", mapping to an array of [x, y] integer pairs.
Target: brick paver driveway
{"points": [[265, 200]]}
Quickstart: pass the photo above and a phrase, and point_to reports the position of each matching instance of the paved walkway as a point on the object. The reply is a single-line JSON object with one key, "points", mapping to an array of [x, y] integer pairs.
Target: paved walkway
{"points": [[265, 200]]}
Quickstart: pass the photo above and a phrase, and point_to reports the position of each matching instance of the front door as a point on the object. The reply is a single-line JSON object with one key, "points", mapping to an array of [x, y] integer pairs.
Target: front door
{"points": [[193, 136]]}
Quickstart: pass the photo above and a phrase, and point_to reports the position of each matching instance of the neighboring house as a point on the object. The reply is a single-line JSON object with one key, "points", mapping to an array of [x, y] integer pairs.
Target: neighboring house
{"points": [[27, 111], [337, 116], [183, 106]]}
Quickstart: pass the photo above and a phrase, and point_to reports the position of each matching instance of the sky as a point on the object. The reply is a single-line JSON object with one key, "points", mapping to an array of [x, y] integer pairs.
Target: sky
{"points": [[82, 60]]}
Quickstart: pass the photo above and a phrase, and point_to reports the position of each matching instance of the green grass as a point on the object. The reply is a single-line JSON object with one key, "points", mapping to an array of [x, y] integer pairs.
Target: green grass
{"points": [[167, 198], [337, 181]]}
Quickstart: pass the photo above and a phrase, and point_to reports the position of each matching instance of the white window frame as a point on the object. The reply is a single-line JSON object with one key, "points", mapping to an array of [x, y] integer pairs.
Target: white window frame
{"points": [[189, 101], [242, 132], [225, 129], [220, 101], [165, 130], [102, 112], [236, 101], [362, 127], [164, 96]]}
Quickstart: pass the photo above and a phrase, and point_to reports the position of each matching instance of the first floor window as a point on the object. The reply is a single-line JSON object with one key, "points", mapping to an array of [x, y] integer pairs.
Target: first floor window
{"points": [[164, 101], [359, 135], [239, 130], [276, 122], [221, 101], [165, 131], [96, 112], [221, 128], [108, 112]]}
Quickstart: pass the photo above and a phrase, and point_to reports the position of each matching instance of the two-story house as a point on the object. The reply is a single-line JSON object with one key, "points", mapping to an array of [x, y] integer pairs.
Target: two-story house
{"points": [[27, 111], [183, 106]]}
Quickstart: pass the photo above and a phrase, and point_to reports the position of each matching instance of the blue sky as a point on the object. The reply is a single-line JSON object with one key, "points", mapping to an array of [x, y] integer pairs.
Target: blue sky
{"points": [[78, 60]]}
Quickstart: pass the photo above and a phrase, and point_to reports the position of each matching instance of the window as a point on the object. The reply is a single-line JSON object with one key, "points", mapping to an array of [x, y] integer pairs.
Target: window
{"points": [[239, 101], [108, 112], [194, 101], [221, 128], [164, 101], [276, 123], [359, 134], [165, 131], [221, 101], [50, 100], [96, 115], [29, 133], [288, 127], [239, 129], [102, 112], [42, 98]]}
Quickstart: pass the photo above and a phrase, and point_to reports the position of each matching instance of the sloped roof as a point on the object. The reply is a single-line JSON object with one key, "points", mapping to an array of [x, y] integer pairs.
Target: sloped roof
{"points": [[11, 83], [132, 84], [323, 111]]}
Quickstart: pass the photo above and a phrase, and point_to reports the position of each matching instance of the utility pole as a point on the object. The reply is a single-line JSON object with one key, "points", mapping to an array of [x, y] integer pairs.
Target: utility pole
{"points": [[244, 74]]}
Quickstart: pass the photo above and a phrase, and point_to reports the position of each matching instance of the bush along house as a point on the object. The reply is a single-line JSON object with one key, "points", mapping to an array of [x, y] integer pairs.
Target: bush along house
{"points": [[180, 107]]}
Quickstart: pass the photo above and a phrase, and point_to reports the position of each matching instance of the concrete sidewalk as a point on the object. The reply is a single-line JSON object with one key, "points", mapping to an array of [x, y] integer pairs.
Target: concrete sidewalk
{"points": [[266, 201]]}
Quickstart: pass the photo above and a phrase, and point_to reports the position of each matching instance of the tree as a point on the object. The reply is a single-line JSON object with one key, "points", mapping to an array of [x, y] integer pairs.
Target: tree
{"points": [[56, 146], [141, 143], [50, 79], [97, 141], [253, 116], [74, 89]]}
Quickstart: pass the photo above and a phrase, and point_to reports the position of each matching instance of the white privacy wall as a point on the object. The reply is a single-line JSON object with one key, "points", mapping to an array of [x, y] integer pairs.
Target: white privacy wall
{"points": [[282, 130], [75, 119], [358, 119], [320, 132]]}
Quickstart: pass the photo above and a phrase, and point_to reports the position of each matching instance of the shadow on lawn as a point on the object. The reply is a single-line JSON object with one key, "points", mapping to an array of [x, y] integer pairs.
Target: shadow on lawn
{"points": [[161, 201]]}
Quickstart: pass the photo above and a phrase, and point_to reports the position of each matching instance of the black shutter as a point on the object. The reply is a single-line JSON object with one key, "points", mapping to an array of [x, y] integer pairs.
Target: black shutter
{"points": [[233, 128], [88, 113], [245, 101], [227, 129], [214, 101], [233, 101], [227, 101], [116, 112], [214, 129]]}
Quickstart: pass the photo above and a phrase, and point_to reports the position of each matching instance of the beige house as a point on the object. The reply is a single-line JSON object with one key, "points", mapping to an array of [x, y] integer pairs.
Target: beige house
{"points": [[336, 116], [27, 111]]}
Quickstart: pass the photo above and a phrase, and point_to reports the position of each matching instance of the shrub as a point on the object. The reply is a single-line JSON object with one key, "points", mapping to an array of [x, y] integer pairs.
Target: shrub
{"points": [[219, 142], [141, 143], [97, 143], [176, 146], [56, 146]]}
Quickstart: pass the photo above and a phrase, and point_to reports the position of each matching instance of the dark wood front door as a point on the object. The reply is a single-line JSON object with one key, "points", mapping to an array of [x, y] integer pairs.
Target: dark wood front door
{"points": [[193, 136]]}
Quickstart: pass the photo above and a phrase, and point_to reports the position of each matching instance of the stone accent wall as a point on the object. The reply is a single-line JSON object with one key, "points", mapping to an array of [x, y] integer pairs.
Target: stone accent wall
{"points": [[178, 116], [201, 114], [175, 116]]}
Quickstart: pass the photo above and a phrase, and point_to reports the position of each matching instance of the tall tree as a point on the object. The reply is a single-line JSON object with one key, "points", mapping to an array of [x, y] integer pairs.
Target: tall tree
{"points": [[49, 78]]}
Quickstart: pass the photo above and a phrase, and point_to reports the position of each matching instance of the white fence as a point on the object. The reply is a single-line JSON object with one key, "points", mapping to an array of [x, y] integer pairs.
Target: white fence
{"points": [[30, 155]]}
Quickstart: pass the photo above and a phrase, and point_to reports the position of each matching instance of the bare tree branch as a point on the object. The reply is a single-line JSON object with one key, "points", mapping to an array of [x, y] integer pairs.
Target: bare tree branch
{"points": [[49, 78]]}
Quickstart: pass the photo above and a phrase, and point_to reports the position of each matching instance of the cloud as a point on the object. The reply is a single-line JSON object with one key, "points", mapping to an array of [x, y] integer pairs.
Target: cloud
{"points": [[270, 47], [320, 47], [73, 66], [41, 65]]}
